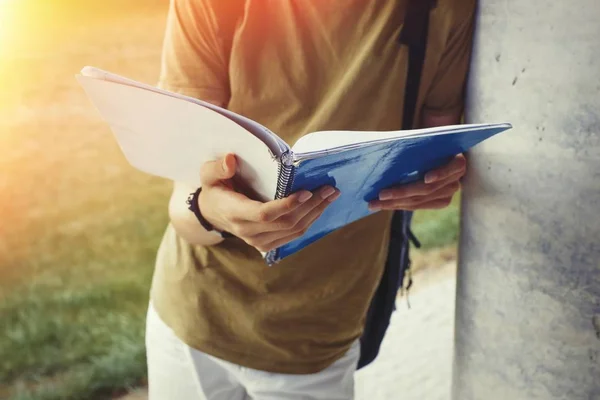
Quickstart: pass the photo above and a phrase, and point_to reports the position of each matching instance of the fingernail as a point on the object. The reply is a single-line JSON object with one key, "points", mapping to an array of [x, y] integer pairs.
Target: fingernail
{"points": [[333, 198], [224, 164], [374, 207], [385, 195], [430, 177], [325, 193], [304, 197]]}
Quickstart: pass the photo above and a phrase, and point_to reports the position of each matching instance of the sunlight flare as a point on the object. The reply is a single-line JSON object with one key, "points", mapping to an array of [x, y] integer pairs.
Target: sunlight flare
{"points": [[7, 24]]}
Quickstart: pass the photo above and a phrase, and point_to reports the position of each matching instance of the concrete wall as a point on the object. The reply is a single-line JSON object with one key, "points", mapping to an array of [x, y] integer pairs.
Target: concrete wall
{"points": [[528, 296]]}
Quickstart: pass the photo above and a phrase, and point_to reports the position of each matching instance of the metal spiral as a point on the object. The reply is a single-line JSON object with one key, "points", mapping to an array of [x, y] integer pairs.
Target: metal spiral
{"points": [[286, 172]]}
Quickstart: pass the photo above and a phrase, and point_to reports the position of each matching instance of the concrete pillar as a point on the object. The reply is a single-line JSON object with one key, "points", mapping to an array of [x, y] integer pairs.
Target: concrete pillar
{"points": [[528, 296]]}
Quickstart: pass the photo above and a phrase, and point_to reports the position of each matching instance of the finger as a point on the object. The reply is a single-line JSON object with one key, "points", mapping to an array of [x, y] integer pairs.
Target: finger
{"points": [[276, 209], [417, 189], [249, 217], [248, 210], [264, 224], [447, 191], [228, 206], [428, 205], [299, 225], [434, 205], [277, 243], [411, 203], [458, 165], [215, 171], [272, 240], [290, 220]]}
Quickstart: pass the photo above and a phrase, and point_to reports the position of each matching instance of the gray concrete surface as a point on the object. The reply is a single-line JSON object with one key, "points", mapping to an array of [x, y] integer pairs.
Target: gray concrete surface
{"points": [[528, 307]]}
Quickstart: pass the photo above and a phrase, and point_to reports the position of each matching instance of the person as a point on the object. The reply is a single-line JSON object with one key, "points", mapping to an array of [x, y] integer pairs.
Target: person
{"points": [[222, 324]]}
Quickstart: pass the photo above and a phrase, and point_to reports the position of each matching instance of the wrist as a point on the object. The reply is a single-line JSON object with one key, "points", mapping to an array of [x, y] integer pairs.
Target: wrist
{"points": [[193, 202]]}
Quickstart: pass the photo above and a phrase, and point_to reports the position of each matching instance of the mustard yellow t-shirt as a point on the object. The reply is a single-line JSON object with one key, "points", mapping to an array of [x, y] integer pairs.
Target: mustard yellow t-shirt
{"points": [[295, 66]]}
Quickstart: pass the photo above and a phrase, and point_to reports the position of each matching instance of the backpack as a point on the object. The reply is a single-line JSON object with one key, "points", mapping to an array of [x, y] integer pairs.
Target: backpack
{"points": [[383, 303]]}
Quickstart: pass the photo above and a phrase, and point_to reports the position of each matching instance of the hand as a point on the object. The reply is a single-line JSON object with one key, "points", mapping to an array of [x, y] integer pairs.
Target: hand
{"points": [[435, 192], [264, 226]]}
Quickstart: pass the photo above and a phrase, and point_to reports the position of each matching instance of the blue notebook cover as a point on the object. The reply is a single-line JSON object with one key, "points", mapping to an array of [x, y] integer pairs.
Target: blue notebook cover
{"points": [[361, 173]]}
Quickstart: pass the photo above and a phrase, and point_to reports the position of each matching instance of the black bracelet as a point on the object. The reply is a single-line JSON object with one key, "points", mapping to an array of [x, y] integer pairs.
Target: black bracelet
{"points": [[194, 207]]}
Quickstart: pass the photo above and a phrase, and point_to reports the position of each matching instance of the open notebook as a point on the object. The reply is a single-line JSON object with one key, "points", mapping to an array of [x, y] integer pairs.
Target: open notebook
{"points": [[171, 136]]}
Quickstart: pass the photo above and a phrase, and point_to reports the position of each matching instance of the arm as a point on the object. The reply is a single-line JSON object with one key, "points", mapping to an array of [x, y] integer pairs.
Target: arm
{"points": [[443, 105], [195, 63], [192, 64], [262, 225], [184, 221]]}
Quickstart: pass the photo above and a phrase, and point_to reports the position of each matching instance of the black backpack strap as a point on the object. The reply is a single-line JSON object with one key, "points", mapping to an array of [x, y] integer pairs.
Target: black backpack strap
{"points": [[413, 35]]}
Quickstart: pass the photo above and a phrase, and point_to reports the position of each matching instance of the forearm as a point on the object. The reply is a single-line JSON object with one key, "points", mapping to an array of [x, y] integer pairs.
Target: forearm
{"points": [[184, 221]]}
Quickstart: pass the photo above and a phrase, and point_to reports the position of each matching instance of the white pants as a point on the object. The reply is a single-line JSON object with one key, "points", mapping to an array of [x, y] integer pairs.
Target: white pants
{"points": [[179, 372]]}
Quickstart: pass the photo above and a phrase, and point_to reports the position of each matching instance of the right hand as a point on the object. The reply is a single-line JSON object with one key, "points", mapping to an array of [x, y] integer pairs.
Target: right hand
{"points": [[264, 226]]}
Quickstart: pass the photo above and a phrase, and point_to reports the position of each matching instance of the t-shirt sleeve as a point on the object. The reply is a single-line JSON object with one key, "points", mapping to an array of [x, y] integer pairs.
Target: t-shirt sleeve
{"points": [[196, 49], [446, 94]]}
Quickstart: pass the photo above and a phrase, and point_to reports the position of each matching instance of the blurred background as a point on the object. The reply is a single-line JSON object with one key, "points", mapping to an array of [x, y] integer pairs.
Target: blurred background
{"points": [[79, 227]]}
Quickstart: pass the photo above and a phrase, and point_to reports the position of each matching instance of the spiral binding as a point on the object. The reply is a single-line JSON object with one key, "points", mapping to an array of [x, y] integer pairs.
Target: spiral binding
{"points": [[286, 172]]}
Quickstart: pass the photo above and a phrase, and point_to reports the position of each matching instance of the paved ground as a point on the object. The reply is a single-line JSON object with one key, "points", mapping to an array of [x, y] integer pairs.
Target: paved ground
{"points": [[416, 356]]}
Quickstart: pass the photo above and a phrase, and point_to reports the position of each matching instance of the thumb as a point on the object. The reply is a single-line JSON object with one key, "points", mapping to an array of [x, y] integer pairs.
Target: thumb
{"points": [[213, 172]]}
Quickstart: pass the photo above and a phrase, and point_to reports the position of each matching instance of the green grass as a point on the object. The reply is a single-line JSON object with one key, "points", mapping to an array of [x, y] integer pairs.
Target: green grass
{"points": [[75, 344], [437, 228], [75, 331], [79, 228]]}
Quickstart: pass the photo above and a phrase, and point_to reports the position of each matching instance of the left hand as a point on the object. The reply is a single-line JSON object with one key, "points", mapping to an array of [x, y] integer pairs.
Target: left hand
{"points": [[435, 192]]}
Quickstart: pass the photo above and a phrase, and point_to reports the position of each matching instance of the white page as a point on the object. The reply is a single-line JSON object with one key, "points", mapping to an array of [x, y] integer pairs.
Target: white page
{"points": [[318, 143], [275, 143], [172, 138]]}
